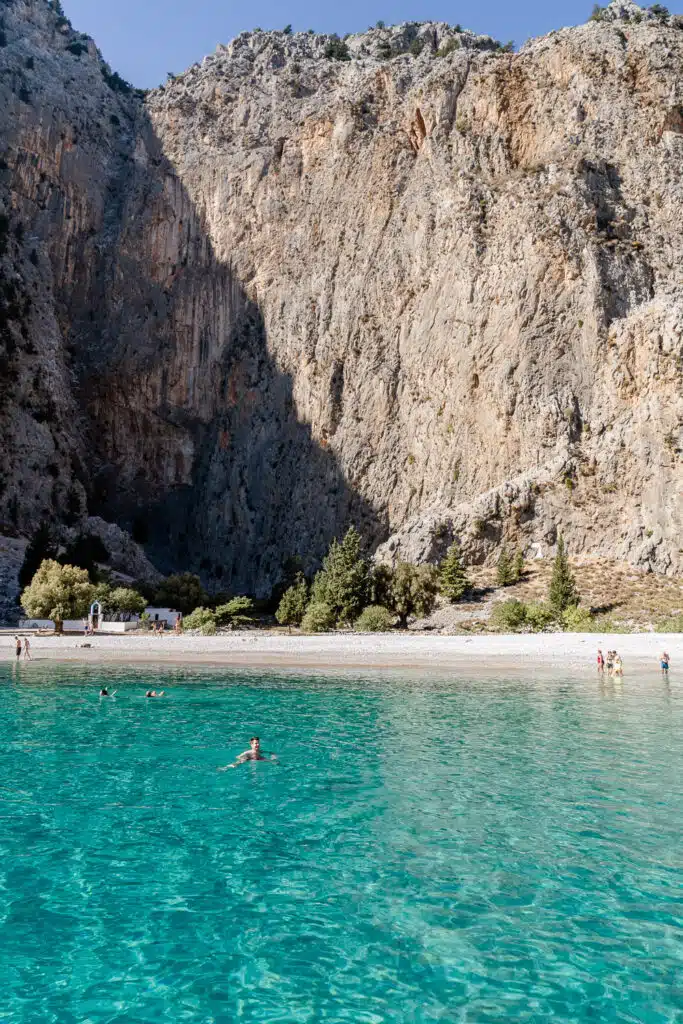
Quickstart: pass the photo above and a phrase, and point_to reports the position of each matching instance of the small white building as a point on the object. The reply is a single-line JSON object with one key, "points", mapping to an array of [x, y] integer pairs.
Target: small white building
{"points": [[99, 624], [167, 615]]}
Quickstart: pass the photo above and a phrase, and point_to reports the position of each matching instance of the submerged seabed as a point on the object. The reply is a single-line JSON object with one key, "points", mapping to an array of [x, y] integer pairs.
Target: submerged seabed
{"points": [[426, 850]]}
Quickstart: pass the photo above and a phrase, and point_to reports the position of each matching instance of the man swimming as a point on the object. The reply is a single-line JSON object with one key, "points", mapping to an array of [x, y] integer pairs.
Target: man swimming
{"points": [[253, 754]]}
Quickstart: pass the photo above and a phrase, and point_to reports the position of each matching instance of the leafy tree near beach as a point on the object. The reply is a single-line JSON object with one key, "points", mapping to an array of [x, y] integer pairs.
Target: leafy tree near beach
{"points": [[183, 592], [342, 583], [202, 619], [58, 592], [238, 611], [563, 593], [374, 619], [319, 618], [126, 601], [292, 607], [412, 591], [453, 578]]}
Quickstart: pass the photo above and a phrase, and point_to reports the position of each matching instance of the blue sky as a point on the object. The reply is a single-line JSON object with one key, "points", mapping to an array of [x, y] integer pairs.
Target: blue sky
{"points": [[144, 39]]}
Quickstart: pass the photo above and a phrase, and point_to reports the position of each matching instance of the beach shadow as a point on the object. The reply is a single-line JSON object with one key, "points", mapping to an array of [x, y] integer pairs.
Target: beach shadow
{"points": [[195, 443]]}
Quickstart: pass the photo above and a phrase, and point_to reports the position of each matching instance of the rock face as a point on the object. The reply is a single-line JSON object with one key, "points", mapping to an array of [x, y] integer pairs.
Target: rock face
{"points": [[433, 289]]}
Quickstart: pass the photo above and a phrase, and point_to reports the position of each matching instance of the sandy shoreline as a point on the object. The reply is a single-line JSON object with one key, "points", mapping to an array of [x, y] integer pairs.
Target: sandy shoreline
{"points": [[571, 652]]}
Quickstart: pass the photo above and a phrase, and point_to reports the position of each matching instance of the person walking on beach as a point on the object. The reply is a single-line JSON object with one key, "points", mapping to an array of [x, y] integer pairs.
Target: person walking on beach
{"points": [[177, 628], [664, 664], [601, 663], [18, 648], [27, 649]]}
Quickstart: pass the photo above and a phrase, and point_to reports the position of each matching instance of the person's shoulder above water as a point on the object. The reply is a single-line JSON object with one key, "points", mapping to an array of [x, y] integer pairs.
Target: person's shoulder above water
{"points": [[255, 753]]}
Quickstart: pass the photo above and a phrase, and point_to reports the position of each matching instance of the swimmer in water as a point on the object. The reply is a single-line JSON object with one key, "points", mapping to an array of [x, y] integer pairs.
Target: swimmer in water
{"points": [[104, 692], [153, 693], [253, 754]]}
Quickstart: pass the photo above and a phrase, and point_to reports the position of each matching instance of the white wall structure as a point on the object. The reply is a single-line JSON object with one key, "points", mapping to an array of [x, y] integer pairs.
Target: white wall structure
{"points": [[70, 625], [167, 615]]}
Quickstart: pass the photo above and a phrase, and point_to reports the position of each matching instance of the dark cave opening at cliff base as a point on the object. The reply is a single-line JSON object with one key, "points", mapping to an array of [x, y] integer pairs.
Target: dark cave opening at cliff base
{"points": [[196, 442]]}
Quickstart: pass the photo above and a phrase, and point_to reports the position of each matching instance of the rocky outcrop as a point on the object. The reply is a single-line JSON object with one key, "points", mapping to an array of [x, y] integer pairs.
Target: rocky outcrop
{"points": [[432, 288]]}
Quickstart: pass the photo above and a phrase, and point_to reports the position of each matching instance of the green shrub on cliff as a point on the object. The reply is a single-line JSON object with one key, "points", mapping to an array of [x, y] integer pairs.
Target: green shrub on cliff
{"points": [[337, 49], [448, 47]]}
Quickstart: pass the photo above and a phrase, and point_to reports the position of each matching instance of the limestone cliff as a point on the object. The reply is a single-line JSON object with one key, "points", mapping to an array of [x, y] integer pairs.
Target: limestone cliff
{"points": [[433, 289]]}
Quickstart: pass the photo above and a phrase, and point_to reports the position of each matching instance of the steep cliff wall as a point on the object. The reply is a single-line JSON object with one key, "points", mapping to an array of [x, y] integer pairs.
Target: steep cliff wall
{"points": [[433, 289]]}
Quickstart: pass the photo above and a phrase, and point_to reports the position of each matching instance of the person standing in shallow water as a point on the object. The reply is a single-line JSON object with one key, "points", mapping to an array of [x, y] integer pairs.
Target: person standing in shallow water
{"points": [[17, 641], [664, 664], [27, 649], [601, 663]]}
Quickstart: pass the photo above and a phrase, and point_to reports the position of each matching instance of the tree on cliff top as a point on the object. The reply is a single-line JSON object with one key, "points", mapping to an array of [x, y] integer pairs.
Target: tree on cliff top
{"points": [[58, 592], [563, 593], [342, 583]]}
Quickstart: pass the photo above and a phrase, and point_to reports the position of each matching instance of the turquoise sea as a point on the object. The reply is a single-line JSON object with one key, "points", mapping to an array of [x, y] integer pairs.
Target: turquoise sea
{"points": [[426, 849]]}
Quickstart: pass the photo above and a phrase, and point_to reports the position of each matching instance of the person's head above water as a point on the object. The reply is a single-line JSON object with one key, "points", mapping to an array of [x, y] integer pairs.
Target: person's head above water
{"points": [[255, 743]]}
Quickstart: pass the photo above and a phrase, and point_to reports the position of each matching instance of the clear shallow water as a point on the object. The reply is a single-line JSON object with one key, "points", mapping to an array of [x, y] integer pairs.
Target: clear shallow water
{"points": [[425, 851]]}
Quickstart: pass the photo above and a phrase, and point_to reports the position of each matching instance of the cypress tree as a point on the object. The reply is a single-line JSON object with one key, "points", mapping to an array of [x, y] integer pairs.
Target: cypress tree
{"points": [[563, 593], [342, 583], [453, 578], [292, 607], [504, 570], [518, 565]]}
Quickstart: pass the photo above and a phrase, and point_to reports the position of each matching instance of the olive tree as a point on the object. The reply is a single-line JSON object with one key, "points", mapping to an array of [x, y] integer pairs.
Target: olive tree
{"points": [[58, 592]]}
